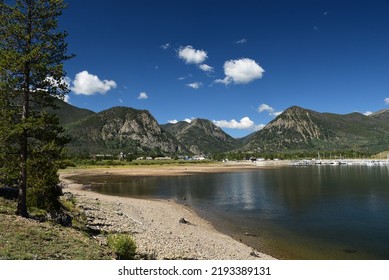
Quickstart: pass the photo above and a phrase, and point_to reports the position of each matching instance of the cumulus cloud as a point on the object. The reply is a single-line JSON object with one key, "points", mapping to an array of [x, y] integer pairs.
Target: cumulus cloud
{"points": [[266, 108], [67, 81], [63, 82], [244, 123], [368, 113], [55, 83], [206, 68], [386, 100], [259, 127], [66, 98], [143, 95], [191, 55], [88, 84], [185, 120], [241, 71], [195, 85]]}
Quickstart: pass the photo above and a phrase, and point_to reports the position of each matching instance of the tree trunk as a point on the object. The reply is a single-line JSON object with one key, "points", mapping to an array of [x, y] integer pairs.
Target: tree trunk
{"points": [[22, 197]]}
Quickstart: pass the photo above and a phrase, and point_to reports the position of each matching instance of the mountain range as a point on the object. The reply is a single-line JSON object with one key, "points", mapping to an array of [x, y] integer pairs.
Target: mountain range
{"points": [[302, 129], [128, 130]]}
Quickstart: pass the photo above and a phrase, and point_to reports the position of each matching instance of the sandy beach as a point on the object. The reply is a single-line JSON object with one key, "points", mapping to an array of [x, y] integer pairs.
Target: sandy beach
{"points": [[155, 224]]}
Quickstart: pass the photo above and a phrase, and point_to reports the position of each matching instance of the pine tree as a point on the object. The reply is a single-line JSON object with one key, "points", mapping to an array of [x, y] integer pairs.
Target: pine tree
{"points": [[32, 52]]}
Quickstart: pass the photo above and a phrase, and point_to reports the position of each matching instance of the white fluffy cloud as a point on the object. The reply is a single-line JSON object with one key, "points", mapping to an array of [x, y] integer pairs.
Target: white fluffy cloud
{"points": [[143, 95], [185, 120], [368, 113], [266, 108], [191, 55], [244, 123], [241, 71], [206, 67], [65, 81], [67, 99], [386, 100], [195, 85], [88, 84], [259, 127]]}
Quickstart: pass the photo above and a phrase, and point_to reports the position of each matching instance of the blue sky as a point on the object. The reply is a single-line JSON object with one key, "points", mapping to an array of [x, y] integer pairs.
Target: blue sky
{"points": [[238, 63]]}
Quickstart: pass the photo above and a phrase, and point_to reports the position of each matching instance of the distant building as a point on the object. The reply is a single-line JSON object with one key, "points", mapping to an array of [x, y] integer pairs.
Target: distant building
{"points": [[198, 158], [102, 156], [163, 158]]}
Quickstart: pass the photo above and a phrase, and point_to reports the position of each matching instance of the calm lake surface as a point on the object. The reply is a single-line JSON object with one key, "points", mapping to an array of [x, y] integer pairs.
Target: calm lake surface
{"points": [[312, 212]]}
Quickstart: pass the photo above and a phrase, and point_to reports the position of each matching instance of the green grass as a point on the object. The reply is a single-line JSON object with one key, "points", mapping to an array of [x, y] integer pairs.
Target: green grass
{"points": [[7, 206], [29, 239]]}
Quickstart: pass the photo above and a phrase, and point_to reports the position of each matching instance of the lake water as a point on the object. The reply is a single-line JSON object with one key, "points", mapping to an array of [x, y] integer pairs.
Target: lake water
{"points": [[312, 212]]}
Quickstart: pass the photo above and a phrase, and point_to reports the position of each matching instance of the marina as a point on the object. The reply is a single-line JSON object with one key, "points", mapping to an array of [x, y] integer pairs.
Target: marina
{"points": [[356, 162]]}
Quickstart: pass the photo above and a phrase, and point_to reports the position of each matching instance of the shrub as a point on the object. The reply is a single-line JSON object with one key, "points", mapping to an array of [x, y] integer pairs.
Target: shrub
{"points": [[123, 245]]}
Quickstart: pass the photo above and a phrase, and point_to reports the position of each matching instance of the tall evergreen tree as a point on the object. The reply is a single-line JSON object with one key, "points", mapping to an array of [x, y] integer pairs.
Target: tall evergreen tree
{"points": [[32, 52]]}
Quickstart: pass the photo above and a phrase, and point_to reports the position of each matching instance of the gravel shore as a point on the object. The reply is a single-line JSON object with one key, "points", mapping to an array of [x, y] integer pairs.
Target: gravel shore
{"points": [[161, 229]]}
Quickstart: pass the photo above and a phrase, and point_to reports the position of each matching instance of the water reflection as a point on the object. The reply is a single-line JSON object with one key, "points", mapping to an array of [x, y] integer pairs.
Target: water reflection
{"points": [[316, 211]]}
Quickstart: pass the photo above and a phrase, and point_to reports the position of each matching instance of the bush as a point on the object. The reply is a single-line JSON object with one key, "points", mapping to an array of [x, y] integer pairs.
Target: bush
{"points": [[44, 197], [123, 245]]}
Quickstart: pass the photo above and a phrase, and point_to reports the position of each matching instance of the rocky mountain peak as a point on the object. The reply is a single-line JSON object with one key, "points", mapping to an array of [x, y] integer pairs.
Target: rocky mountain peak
{"points": [[301, 129], [122, 129], [296, 122], [202, 136]]}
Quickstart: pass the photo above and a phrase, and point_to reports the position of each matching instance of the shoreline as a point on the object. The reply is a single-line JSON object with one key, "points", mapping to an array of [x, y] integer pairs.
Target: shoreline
{"points": [[155, 224]]}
